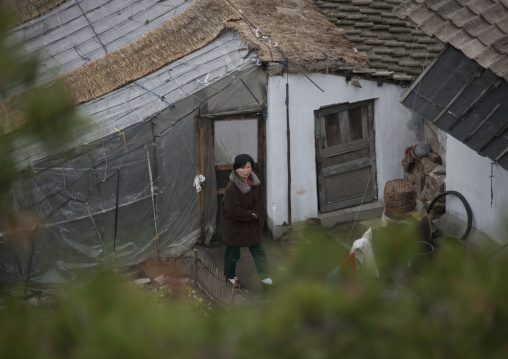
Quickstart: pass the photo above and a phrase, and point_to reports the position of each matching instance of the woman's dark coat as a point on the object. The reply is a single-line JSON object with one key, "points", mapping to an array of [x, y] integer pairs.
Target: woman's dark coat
{"points": [[239, 227]]}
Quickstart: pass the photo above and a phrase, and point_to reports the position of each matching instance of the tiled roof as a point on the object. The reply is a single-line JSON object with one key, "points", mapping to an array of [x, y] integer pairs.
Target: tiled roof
{"points": [[466, 101], [393, 46], [478, 28]]}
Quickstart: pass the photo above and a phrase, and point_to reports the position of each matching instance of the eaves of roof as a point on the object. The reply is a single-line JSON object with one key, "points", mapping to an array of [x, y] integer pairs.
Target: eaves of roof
{"points": [[466, 101]]}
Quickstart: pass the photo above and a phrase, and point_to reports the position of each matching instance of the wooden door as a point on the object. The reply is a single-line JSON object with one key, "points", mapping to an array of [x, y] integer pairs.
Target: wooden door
{"points": [[345, 155], [234, 135]]}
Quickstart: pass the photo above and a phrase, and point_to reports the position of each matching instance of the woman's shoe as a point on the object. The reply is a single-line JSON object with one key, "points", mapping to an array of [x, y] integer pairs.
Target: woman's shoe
{"points": [[267, 283], [235, 283]]}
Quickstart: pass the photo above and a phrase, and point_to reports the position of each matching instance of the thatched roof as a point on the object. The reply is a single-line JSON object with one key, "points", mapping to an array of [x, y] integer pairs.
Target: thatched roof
{"points": [[292, 28], [296, 29], [185, 33], [26, 10]]}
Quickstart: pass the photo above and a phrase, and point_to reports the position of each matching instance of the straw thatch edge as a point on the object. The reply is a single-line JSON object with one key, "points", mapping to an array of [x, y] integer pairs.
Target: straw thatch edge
{"points": [[187, 32], [315, 45], [26, 10]]}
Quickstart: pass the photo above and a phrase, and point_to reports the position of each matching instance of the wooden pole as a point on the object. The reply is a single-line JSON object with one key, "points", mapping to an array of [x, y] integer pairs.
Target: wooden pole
{"points": [[195, 267], [202, 166], [288, 152]]}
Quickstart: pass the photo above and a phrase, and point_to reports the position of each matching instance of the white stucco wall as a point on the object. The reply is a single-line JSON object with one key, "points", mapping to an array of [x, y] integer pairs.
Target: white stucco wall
{"points": [[469, 174], [394, 127]]}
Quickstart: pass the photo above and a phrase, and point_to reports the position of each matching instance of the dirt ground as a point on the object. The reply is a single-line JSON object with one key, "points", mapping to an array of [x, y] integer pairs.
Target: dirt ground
{"points": [[278, 252]]}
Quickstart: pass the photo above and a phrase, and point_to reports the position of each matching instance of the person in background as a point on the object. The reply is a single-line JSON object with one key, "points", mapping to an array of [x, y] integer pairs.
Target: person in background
{"points": [[242, 207]]}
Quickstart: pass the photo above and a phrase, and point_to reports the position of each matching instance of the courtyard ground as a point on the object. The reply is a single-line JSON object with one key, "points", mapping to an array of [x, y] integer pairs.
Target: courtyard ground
{"points": [[280, 251]]}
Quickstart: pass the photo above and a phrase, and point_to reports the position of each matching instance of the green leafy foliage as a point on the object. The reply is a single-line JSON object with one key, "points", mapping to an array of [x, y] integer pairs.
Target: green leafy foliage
{"points": [[195, 301], [456, 309], [160, 295]]}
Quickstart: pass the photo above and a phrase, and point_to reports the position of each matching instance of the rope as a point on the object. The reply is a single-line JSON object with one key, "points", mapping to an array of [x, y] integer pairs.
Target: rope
{"points": [[32, 252], [491, 185], [153, 204], [187, 146], [171, 106], [123, 135], [65, 187], [416, 91], [85, 58], [248, 89], [116, 209], [55, 210], [177, 122], [105, 157], [89, 23], [357, 212], [103, 152], [98, 234], [409, 57]]}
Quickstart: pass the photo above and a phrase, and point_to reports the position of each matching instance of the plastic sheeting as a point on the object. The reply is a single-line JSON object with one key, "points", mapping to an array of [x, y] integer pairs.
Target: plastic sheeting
{"points": [[126, 197], [80, 31]]}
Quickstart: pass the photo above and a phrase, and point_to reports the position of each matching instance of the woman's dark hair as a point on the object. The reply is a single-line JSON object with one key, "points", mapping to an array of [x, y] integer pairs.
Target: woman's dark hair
{"points": [[241, 161]]}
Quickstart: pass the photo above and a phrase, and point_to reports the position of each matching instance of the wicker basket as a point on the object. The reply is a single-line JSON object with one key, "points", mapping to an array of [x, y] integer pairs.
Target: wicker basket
{"points": [[400, 196]]}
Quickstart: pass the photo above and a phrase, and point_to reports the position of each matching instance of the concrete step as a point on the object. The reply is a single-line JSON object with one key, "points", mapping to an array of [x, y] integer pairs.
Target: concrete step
{"points": [[352, 214]]}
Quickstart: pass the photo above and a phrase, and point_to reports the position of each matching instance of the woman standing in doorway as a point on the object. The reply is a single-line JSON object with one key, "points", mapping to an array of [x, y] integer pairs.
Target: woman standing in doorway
{"points": [[242, 207]]}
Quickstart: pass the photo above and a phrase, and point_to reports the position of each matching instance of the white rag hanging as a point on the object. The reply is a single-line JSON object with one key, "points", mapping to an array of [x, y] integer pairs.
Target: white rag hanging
{"points": [[198, 180], [365, 260]]}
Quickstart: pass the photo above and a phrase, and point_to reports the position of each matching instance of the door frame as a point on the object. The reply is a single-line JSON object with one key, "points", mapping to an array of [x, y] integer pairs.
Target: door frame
{"points": [[361, 163], [260, 167]]}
